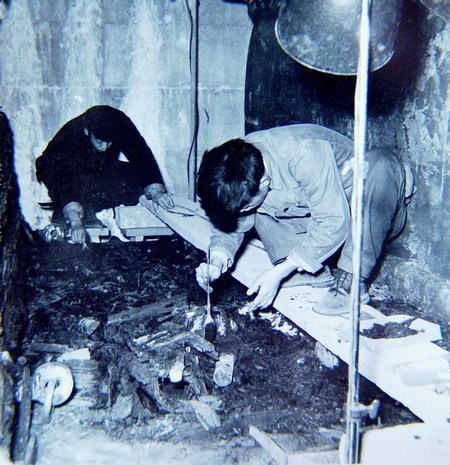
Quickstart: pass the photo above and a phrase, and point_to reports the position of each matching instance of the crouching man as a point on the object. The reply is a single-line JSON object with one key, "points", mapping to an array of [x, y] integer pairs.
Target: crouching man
{"points": [[293, 185], [83, 174]]}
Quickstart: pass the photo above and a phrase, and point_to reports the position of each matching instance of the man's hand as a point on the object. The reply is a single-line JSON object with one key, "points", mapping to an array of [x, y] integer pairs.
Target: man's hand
{"points": [[74, 212], [267, 284], [78, 233], [163, 199], [204, 271], [157, 194]]}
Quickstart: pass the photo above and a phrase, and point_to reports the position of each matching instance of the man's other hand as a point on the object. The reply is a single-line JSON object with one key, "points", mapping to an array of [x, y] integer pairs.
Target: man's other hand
{"points": [[267, 284], [163, 199], [157, 194]]}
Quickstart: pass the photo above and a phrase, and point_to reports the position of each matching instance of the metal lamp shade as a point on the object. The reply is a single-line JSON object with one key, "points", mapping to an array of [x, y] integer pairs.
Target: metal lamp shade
{"points": [[324, 34]]}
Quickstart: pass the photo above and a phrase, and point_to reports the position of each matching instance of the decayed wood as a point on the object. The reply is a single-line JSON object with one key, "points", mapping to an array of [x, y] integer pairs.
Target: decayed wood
{"points": [[152, 389], [46, 348], [193, 340], [223, 373], [165, 339], [202, 345], [177, 368], [23, 424], [205, 414], [193, 375], [147, 374], [147, 311], [88, 378]]}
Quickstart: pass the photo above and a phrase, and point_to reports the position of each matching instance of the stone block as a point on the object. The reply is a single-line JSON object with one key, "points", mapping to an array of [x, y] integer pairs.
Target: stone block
{"points": [[117, 57]]}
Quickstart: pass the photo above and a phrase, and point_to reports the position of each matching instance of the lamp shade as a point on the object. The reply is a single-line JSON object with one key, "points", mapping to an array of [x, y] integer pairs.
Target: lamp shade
{"points": [[324, 34]]}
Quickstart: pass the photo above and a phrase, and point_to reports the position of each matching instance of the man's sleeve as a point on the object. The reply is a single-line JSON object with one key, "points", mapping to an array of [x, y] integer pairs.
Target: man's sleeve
{"points": [[329, 225], [55, 168], [224, 246], [136, 150]]}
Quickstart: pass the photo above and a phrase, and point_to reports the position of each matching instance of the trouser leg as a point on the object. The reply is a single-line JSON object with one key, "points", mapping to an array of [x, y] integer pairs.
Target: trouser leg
{"points": [[384, 210], [120, 185], [278, 236]]}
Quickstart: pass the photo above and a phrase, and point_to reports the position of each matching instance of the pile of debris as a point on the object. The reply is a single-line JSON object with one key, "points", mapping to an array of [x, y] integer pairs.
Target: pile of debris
{"points": [[157, 361], [129, 322]]}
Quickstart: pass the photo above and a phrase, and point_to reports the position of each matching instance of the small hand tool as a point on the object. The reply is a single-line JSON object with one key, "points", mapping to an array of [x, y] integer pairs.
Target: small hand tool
{"points": [[210, 325]]}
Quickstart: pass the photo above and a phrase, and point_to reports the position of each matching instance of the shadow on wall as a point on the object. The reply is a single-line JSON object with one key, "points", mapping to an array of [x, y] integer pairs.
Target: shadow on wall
{"points": [[12, 308]]}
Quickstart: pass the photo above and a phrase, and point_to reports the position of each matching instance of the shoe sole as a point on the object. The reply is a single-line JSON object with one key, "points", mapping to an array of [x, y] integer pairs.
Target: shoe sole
{"points": [[342, 311], [310, 280], [319, 283]]}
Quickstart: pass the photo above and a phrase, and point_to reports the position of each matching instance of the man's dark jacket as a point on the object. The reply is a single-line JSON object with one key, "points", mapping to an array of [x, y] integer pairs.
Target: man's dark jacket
{"points": [[73, 171]]}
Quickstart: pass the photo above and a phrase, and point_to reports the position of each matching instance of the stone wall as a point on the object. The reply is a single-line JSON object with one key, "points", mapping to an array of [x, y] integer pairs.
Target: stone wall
{"points": [[132, 54], [418, 270]]}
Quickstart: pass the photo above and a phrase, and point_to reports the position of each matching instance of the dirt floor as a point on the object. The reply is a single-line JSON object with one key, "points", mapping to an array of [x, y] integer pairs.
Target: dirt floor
{"points": [[125, 405]]}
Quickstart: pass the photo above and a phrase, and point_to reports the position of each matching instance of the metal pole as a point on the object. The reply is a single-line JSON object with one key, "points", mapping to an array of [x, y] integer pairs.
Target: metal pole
{"points": [[353, 420]]}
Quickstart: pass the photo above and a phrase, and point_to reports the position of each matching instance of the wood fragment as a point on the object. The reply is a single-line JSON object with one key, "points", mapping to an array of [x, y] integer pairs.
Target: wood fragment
{"points": [[164, 339], [186, 337], [46, 347], [223, 372], [269, 445], [147, 311], [152, 389], [205, 414], [202, 345], [177, 368], [193, 375], [23, 424]]}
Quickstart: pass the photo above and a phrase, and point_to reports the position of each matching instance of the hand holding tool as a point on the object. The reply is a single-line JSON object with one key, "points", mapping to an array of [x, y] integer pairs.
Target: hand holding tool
{"points": [[210, 325]]}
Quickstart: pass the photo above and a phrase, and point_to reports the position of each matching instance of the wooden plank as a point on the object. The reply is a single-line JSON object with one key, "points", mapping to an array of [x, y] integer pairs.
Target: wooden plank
{"points": [[136, 216], [376, 363], [147, 232], [412, 444], [281, 457]]}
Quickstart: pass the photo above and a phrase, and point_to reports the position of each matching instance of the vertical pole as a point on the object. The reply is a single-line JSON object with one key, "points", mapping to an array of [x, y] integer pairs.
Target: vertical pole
{"points": [[193, 152], [353, 421]]}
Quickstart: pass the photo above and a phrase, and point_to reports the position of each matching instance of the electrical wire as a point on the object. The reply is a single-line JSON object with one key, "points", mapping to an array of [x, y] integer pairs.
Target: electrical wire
{"points": [[193, 66]]}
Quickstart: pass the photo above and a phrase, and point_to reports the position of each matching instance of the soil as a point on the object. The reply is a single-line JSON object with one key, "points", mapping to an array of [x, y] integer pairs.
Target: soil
{"points": [[389, 331], [279, 384]]}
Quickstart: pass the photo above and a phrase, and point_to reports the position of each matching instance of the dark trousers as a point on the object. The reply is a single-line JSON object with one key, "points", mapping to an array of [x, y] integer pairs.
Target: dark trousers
{"points": [[117, 184]]}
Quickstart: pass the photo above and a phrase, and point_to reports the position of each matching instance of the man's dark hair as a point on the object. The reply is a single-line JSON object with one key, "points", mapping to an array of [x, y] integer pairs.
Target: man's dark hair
{"points": [[228, 179]]}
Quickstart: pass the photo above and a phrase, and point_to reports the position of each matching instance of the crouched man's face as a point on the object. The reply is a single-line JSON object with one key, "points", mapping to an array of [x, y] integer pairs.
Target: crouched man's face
{"points": [[98, 144]]}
